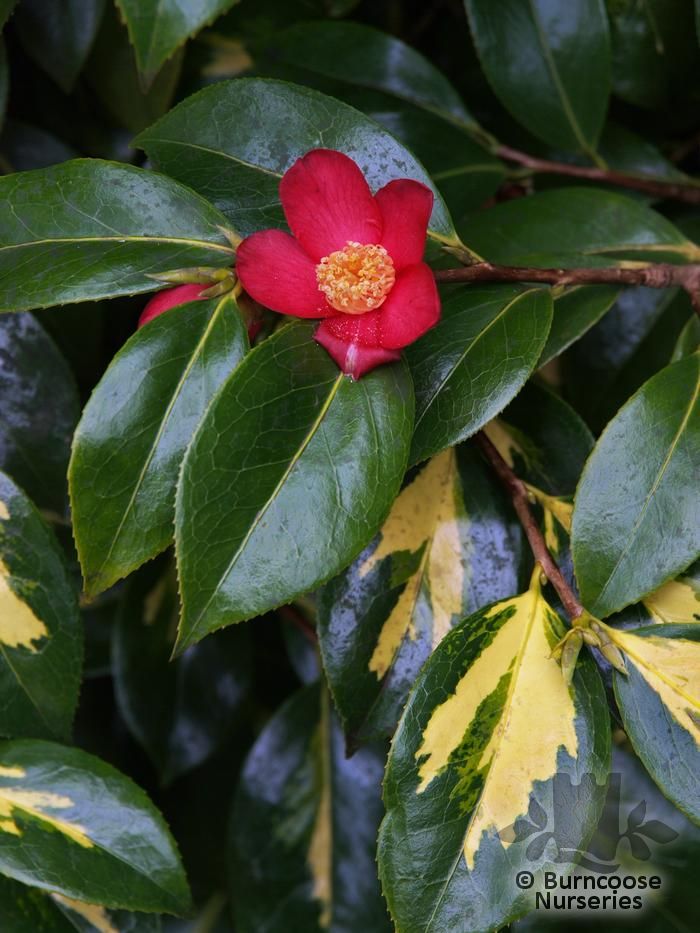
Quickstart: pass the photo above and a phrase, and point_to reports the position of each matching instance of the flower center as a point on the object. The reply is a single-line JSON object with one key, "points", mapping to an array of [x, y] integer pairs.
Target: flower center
{"points": [[357, 278]]}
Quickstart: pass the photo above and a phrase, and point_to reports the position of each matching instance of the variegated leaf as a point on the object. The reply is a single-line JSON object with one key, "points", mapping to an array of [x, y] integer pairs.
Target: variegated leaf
{"points": [[491, 734], [448, 547], [677, 601], [660, 704]]}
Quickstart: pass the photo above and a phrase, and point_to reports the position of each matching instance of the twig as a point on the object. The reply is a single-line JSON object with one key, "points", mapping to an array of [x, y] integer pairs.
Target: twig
{"points": [[521, 503], [653, 275], [688, 192]]}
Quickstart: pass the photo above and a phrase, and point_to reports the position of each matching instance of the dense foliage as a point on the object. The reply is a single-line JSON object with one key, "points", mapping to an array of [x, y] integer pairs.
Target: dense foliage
{"points": [[282, 650]]}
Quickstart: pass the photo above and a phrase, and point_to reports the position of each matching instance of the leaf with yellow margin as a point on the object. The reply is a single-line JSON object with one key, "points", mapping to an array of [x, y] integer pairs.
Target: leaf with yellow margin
{"points": [[677, 601], [72, 825], [659, 700], [41, 640], [490, 730], [318, 811], [448, 547]]}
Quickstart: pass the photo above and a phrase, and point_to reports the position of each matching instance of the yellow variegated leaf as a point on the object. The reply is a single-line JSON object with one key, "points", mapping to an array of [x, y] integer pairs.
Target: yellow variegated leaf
{"points": [[95, 915], [18, 624], [671, 668], [520, 653], [659, 700], [676, 601], [426, 516], [18, 800]]}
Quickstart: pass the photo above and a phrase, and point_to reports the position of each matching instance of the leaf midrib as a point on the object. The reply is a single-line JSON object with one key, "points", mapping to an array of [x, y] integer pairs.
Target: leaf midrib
{"points": [[269, 501], [118, 239]]}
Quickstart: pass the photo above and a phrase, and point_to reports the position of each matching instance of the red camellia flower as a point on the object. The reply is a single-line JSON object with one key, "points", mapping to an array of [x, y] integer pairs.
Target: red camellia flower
{"points": [[354, 259], [170, 298]]}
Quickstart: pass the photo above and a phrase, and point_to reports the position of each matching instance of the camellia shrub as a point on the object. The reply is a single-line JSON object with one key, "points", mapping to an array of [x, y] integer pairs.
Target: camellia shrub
{"points": [[350, 446]]}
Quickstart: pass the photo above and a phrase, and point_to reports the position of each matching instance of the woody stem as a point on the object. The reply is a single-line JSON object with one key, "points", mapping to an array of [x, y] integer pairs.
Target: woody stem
{"points": [[517, 490], [653, 275], [688, 192]]}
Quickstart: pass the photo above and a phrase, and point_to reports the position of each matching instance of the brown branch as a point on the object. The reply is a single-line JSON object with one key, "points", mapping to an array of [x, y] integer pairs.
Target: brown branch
{"points": [[653, 275], [687, 192], [521, 503]]}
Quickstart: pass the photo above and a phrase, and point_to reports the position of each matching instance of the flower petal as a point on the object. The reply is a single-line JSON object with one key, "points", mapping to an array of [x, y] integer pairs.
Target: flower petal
{"points": [[276, 272], [327, 203], [170, 298], [342, 337], [412, 307], [406, 206]]}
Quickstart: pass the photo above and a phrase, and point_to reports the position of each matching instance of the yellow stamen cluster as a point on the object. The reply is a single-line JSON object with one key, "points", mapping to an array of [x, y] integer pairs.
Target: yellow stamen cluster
{"points": [[357, 278]]}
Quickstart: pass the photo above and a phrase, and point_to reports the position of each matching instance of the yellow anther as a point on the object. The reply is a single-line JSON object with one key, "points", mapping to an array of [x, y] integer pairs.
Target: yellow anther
{"points": [[357, 278]]}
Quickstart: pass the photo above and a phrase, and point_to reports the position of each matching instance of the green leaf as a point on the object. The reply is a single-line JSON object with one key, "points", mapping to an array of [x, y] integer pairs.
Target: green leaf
{"points": [[491, 735], [180, 711], [320, 812], [6, 8], [308, 463], [659, 700], [677, 601], [24, 147], [41, 640], [132, 437], [448, 547], [41, 408], [233, 141], [58, 35], [113, 75], [477, 358], [655, 55], [628, 152], [688, 339], [634, 340], [542, 439], [549, 64], [73, 825], [576, 227], [24, 909], [576, 310], [367, 57], [90, 229], [158, 27], [636, 519]]}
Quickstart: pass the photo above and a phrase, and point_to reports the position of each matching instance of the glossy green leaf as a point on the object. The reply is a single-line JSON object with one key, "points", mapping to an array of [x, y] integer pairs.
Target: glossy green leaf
{"points": [[448, 547], [233, 142], [132, 437], [636, 520], [41, 641], [24, 147], [361, 55], [308, 463], [542, 439], [548, 61], [6, 8], [180, 711], [158, 27], [89, 229], [478, 357], [490, 747], [59, 35], [71, 824], [113, 75], [655, 54], [628, 152], [576, 310], [688, 339], [631, 343], [463, 171], [659, 700], [30, 910], [576, 227], [305, 820], [40, 411]]}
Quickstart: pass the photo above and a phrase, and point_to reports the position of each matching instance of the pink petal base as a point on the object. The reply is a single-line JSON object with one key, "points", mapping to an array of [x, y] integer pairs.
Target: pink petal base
{"points": [[354, 359], [170, 298]]}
